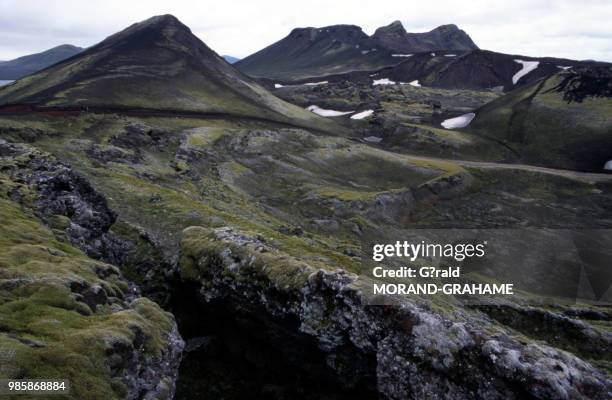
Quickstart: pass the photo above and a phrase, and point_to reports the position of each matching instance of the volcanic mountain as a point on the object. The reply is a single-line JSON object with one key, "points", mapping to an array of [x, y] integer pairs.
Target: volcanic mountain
{"points": [[26, 65], [307, 52], [157, 64], [445, 37], [332, 50]]}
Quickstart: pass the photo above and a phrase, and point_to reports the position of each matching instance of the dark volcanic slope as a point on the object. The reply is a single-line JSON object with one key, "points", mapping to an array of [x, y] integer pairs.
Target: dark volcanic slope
{"points": [[445, 37], [472, 70], [26, 65], [157, 64], [479, 69], [315, 52], [564, 121]]}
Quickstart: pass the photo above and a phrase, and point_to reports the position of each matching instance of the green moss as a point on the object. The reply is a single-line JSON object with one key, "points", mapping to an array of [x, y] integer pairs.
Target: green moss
{"points": [[45, 330], [201, 249], [345, 195], [445, 134], [204, 137]]}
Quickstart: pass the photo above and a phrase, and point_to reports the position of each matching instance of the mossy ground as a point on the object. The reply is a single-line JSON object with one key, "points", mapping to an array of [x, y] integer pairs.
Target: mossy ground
{"points": [[46, 330], [297, 191]]}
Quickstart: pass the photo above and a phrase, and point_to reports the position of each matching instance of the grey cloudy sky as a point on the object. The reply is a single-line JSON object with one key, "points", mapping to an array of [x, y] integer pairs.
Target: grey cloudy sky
{"points": [[561, 28]]}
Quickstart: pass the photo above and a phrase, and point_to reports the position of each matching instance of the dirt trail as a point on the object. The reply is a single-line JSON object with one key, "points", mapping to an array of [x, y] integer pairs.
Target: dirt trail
{"points": [[591, 177]]}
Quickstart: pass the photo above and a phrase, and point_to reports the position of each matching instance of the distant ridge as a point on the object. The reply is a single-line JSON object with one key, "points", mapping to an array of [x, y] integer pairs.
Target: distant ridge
{"points": [[317, 51], [231, 59], [309, 52], [26, 65]]}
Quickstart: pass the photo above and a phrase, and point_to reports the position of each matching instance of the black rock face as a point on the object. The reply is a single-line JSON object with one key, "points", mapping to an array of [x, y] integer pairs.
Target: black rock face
{"points": [[445, 37], [580, 83]]}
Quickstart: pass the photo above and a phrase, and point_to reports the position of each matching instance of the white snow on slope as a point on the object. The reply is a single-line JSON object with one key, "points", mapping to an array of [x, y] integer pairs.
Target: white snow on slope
{"points": [[383, 81], [458, 122], [363, 114], [278, 85], [528, 66], [327, 113], [415, 83], [433, 54], [450, 55], [564, 68], [608, 166], [373, 139], [401, 55]]}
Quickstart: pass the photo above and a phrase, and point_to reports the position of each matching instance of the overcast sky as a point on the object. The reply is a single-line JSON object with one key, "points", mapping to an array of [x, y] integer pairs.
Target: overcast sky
{"points": [[578, 29]]}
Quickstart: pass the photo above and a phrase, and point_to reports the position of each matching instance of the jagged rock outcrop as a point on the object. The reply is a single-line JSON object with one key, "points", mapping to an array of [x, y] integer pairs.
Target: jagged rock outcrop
{"points": [[418, 352], [102, 317], [63, 193]]}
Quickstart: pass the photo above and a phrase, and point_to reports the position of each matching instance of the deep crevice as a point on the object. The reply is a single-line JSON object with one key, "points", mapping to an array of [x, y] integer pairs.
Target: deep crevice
{"points": [[238, 351]]}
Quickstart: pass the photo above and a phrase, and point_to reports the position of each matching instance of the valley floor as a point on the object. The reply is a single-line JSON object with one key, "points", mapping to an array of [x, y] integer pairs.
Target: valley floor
{"points": [[252, 235]]}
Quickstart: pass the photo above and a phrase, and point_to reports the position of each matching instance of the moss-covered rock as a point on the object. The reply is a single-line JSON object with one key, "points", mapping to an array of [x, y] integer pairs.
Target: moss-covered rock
{"points": [[417, 350], [66, 316]]}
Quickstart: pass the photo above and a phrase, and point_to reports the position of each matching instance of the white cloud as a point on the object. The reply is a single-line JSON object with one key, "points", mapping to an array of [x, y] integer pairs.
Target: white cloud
{"points": [[562, 28]]}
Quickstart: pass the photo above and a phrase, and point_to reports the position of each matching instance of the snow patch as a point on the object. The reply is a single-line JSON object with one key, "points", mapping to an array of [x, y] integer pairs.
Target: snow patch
{"points": [[433, 54], [414, 83], [373, 139], [363, 114], [401, 55], [528, 66], [450, 55], [608, 166], [278, 85], [327, 113], [383, 81], [458, 122], [564, 68], [364, 52]]}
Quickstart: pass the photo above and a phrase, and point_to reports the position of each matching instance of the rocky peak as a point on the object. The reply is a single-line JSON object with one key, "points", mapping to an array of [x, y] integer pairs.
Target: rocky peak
{"points": [[149, 32], [342, 33], [393, 27], [444, 37]]}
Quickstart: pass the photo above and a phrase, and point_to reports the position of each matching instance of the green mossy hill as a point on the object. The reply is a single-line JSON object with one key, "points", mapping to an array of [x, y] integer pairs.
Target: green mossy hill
{"points": [[546, 128], [160, 65], [65, 316]]}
